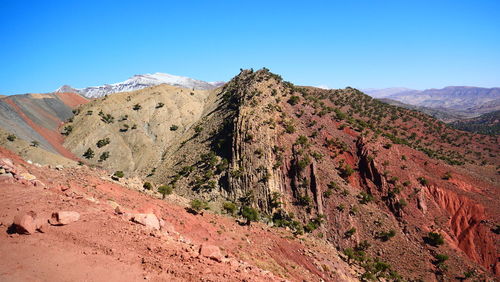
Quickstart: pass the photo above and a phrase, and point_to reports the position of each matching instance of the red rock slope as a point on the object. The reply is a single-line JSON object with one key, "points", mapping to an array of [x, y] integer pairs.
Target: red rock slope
{"points": [[105, 244]]}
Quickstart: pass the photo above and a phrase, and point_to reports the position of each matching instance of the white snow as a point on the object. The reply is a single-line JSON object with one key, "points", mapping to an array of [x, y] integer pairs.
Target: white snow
{"points": [[141, 81]]}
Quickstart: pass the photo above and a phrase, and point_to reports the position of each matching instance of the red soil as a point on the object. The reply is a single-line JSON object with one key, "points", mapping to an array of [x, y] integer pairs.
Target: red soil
{"points": [[72, 99], [105, 246]]}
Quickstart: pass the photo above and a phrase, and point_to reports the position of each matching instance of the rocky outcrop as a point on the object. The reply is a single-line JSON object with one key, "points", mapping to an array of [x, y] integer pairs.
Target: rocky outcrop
{"points": [[467, 226], [252, 170]]}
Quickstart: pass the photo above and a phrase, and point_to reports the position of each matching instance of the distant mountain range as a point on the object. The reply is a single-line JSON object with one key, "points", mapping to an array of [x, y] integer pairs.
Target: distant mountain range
{"points": [[470, 100], [139, 82]]}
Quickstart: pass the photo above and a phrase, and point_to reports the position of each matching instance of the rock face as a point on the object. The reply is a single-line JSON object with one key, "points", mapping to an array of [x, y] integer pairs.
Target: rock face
{"points": [[64, 217]]}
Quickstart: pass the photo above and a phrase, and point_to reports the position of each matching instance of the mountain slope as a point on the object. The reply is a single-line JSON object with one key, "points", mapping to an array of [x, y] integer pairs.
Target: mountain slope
{"points": [[485, 124], [451, 97], [139, 82], [38, 117], [370, 178], [108, 243]]}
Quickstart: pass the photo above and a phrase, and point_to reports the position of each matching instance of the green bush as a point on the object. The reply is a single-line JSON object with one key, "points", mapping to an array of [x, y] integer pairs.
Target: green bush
{"points": [[103, 142], [230, 207], [250, 214], [118, 174], [294, 100], [174, 127], [198, 205], [386, 235], [165, 190], [346, 171], [89, 154], [147, 186], [104, 156], [434, 239]]}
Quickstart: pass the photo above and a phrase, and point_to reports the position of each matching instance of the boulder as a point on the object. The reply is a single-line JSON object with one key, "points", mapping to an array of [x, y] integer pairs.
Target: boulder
{"points": [[59, 167], [64, 217], [211, 252], [27, 176], [25, 223], [147, 219]]}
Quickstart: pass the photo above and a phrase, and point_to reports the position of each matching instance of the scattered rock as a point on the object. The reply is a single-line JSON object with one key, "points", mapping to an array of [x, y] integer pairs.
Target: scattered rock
{"points": [[147, 219], [41, 225], [27, 176], [211, 251], [64, 217], [59, 167], [2, 171], [25, 223]]}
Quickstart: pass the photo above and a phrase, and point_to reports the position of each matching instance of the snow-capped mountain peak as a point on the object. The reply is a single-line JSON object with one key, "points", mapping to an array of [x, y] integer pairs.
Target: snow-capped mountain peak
{"points": [[141, 81]]}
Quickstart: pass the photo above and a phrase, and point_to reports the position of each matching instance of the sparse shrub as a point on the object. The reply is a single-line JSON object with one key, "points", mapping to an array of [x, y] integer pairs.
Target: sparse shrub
{"points": [[89, 154], [386, 235], [434, 239], [250, 214], [230, 207], [165, 190], [103, 142], [388, 146], [137, 107], [198, 129], [289, 128], [67, 130], [294, 100], [35, 143], [447, 176], [174, 127], [346, 171], [364, 197], [350, 232], [197, 206], [160, 105], [301, 140], [304, 162], [423, 181], [147, 186], [11, 137], [104, 156], [118, 174]]}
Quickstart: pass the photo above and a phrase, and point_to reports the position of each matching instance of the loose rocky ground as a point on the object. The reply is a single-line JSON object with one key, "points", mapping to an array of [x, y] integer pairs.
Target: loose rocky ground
{"points": [[116, 235]]}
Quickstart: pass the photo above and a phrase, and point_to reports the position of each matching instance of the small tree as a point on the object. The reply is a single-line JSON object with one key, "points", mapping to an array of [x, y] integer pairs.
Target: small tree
{"points": [[147, 186], [230, 207], [104, 156], [174, 127], [11, 137], [89, 154], [165, 190], [294, 100], [434, 239], [103, 142], [118, 174], [197, 206], [250, 214]]}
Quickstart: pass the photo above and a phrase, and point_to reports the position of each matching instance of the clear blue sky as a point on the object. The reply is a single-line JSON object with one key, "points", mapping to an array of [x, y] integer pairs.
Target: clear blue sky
{"points": [[379, 43]]}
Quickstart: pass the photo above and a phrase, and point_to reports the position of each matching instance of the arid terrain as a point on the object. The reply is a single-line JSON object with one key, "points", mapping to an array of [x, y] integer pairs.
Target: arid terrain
{"points": [[256, 180]]}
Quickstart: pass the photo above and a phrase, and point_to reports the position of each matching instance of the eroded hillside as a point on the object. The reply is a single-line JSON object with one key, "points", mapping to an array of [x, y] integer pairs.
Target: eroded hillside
{"points": [[400, 193]]}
